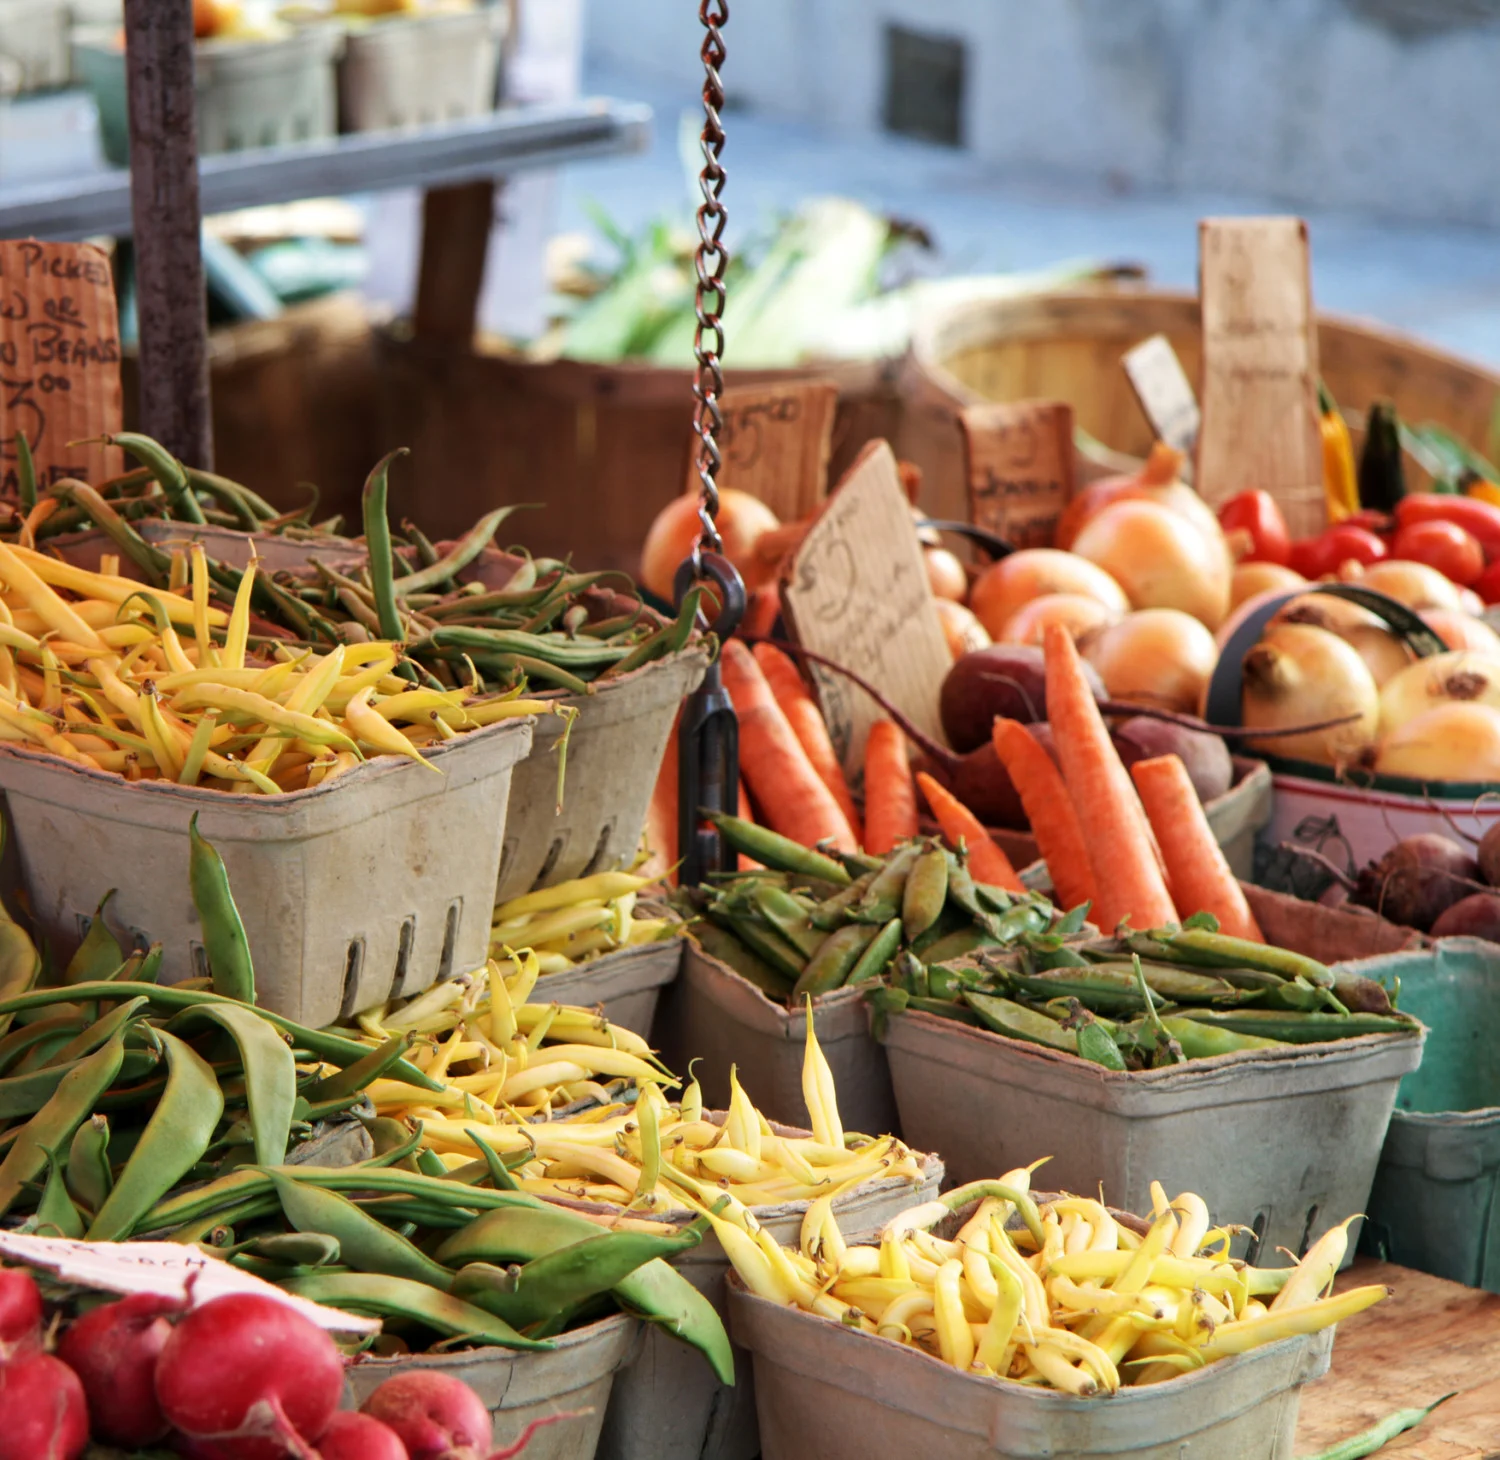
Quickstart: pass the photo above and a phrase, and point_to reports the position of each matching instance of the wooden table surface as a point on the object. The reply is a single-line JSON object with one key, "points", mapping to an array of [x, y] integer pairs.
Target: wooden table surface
{"points": [[1430, 1338]]}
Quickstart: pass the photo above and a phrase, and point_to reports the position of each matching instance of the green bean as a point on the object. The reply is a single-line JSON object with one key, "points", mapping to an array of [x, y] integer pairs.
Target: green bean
{"points": [[354, 1078], [101, 1031], [270, 1074], [829, 968], [499, 1172], [175, 1138], [55, 1213], [429, 1163], [100, 954], [671, 638], [459, 556], [224, 939], [1378, 1436], [925, 892], [150, 559], [556, 650], [378, 549], [24, 1095], [20, 963], [402, 1299], [393, 1210], [165, 468], [19, 1042], [88, 1171], [881, 949], [778, 852], [427, 555], [295, 1249], [242, 503], [71, 1104], [364, 1243]]}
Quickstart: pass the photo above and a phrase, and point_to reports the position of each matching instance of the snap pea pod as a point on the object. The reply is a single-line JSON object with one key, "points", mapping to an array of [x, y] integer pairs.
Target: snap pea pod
{"points": [[54, 1124], [829, 968], [1219, 949], [175, 1139], [270, 1074], [364, 1243], [832, 912], [881, 949], [945, 1007], [1378, 1436], [1006, 1017], [764, 942], [1295, 1028], [718, 942], [224, 939], [331, 1047], [400, 1298], [957, 944], [882, 900], [788, 916], [1104, 990], [779, 852], [1206, 1041], [295, 1249], [925, 892]]}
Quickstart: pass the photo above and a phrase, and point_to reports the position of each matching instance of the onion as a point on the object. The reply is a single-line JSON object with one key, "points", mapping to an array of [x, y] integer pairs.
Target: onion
{"points": [[946, 574], [1015, 580], [742, 520], [962, 630], [1456, 741], [1156, 480], [1077, 614], [1384, 651], [1159, 656], [1462, 631], [1160, 559], [1458, 675], [1470, 602], [1252, 579], [1299, 675], [1414, 584]]}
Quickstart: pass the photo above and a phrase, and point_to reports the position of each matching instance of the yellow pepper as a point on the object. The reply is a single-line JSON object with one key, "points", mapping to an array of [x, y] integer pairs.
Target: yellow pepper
{"points": [[1340, 483]]}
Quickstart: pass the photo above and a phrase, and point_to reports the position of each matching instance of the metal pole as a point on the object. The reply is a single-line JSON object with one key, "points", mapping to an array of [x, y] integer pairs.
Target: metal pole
{"points": [[174, 400]]}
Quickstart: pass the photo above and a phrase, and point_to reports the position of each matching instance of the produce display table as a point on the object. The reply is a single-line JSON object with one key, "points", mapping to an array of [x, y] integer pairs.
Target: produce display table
{"points": [[1430, 1338]]}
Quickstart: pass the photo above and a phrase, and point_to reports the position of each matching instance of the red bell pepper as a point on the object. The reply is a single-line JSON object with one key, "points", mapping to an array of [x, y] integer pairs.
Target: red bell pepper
{"points": [[1480, 519], [1318, 556], [1456, 554], [1257, 514]]}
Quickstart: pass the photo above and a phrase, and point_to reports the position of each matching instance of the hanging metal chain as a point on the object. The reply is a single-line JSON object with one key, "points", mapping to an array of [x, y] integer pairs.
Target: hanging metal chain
{"points": [[713, 259]]}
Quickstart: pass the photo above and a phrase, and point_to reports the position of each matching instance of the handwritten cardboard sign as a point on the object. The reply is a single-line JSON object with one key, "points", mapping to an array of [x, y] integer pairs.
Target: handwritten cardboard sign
{"points": [[1260, 367], [856, 590], [59, 360], [1164, 391], [1019, 459], [169, 1269], [775, 442]]}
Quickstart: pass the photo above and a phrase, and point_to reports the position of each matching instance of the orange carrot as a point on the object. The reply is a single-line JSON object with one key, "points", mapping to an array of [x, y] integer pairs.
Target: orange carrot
{"points": [[746, 813], [1122, 855], [890, 794], [661, 815], [792, 798], [806, 720], [1054, 822], [1201, 877], [761, 612], [986, 861]]}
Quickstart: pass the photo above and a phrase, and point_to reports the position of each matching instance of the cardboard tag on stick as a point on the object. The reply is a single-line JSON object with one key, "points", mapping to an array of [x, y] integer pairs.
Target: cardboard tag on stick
{"points": [[1019, 459], [857, 591], [775, 443], [1164, 391], [1260, 368], [59, 360]]}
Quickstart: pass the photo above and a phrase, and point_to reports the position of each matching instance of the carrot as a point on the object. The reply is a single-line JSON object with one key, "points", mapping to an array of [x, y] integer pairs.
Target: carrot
{"points": [[661, 815], [890, 794], [1122, 853], [986, 861], [806, 720], [792, 798], [1201, 878], [761, 612], [746, 813], [1054, 822]]}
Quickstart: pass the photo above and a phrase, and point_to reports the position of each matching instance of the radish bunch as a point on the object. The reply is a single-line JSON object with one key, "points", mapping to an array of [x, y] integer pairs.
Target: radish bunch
{"points": [[241, 1378]]}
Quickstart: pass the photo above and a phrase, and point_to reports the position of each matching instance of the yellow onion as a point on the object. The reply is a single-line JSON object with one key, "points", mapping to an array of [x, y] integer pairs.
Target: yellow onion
{"points": [[1300, 675], [742, 521], [1456, 741], [1459, 675], [1384, 651], [1160, 558], [1016, 579], [1252, 579], [962, 630], [1159, 656], [1414, 584], [1462, 630], [1076, 613]]}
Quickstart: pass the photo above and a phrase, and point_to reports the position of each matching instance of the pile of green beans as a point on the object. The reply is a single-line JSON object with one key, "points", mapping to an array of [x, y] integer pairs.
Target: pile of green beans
{"points": [[811, 923], [1149, 1000], [184, 1113]]}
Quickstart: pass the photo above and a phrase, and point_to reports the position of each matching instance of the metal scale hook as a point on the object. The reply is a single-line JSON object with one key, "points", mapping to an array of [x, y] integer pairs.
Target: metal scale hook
{"points": [[708, 737]]}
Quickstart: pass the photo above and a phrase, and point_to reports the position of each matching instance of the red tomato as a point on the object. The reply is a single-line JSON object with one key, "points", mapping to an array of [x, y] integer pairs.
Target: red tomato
{"points": [[1455, 553], [1488, 586], [1317, 556], [1257, 514]]}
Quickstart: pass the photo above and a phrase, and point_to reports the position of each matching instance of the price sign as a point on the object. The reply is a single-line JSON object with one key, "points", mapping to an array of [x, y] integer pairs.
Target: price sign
{"points": [[1019, 458], [857, 591], [168, 1269], [775, 441], [1164, 391], [59, 360]]}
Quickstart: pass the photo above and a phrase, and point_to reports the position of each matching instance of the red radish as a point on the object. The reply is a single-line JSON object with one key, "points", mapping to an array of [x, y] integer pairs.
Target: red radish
{"points": [[114, 1350], [20, 1314], [437, 1416], [43, 1413], [358, 1437], [252, 1375]]}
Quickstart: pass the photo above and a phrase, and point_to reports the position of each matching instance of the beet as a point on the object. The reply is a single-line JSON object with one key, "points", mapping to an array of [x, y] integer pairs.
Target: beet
{"points": [[1418, 880], [1489, 856], [1475, 916], [1206, 757], [43, 1414], [1004, 679], [114, 1350]]}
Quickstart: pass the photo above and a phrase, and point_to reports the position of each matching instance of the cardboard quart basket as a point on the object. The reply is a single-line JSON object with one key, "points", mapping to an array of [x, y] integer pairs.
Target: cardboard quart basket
{"points": [[367, 888]]}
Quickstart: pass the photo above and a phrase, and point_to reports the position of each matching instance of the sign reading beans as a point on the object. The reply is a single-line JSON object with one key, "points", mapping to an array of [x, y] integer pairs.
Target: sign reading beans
{"points": [[1019, 459], [59, 361]]}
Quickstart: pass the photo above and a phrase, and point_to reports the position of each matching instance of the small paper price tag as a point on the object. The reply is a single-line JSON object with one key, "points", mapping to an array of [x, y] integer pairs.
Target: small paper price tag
{"points": [[1019, 458], [59, 360], [1164, 391], [857, 591], [169, 1269], [1260, 368], [775, 443]]}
